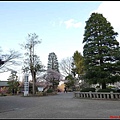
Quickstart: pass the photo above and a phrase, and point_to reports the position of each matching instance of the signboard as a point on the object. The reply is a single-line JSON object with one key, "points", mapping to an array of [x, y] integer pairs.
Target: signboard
{"points": [[26, 85]]}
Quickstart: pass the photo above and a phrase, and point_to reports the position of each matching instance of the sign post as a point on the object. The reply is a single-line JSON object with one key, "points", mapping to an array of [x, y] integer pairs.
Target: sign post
{"points": [[26, 85]]}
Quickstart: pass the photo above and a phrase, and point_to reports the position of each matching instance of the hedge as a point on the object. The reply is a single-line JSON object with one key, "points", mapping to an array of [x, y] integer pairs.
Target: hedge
{"points": [[88, 89], [106, 90]]}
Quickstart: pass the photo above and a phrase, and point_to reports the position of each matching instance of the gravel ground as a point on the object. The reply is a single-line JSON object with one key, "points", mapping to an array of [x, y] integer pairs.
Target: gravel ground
{"points": [[62, 105]]}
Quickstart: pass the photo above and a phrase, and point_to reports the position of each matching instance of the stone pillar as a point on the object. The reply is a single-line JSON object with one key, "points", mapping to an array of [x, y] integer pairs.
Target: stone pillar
{"points": [[90, 94], [87, 95], [97, 95], [111, 93], [101, 95], [108, 96]]}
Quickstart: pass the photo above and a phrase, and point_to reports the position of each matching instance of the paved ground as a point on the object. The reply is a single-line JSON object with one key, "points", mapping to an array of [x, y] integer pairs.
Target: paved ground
{"points": [[63, 105]]}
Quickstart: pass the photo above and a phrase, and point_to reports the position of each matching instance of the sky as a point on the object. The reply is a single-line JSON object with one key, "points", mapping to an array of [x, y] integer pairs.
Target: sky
{"points": [[59, 24]]}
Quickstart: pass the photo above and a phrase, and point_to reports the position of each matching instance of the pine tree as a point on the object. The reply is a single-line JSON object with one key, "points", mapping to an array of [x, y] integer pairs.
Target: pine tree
{"points": [[101, 51]]}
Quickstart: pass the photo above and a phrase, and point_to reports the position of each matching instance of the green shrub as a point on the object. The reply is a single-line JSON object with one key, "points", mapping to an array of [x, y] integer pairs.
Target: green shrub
{"points": [[3, 94], [109, 87], [44, 93], [39, 93], [49, 91], [118, 90], [106, 90], [88, 89]]}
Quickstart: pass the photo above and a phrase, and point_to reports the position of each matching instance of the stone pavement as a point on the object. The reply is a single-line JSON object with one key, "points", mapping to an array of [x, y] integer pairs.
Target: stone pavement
{"points": [[62, 105]]}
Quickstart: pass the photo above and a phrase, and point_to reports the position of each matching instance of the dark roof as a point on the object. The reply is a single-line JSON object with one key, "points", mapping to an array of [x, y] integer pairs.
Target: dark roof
{"points": [[4, 83]]}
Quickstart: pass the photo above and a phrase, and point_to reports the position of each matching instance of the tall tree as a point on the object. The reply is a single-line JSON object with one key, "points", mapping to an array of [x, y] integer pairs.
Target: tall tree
{"points": [[32, 62], [53, 73], [78, 67], [101, 51]]}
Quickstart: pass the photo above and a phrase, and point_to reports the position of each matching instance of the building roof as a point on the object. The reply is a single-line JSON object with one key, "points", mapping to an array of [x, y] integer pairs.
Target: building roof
{"points": [[4, 83]]}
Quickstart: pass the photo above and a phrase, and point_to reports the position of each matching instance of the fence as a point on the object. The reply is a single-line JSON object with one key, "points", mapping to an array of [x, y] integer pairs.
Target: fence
{"points": [[97, 95]]}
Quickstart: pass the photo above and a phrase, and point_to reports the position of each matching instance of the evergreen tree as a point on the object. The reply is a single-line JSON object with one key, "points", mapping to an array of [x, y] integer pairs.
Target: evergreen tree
{"points": [[101, 51], [53, 62], [53, 74], [70, 81], [13, 83], [78, 65]]}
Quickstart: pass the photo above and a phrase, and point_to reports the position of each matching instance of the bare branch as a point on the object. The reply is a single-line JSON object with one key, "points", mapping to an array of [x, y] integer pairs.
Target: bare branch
{"points": [[11, 59], [65, 66]]}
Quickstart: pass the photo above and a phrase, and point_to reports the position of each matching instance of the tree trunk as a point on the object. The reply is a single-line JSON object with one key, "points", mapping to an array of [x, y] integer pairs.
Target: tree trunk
{"points": [[53, 84], [33, 84], [34, 81], [103, 85]]}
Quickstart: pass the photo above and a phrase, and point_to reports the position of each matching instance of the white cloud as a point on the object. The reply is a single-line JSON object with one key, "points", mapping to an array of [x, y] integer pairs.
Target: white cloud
{"points": [[72, 23], [69, 23], [110, 10], [77, 25]]}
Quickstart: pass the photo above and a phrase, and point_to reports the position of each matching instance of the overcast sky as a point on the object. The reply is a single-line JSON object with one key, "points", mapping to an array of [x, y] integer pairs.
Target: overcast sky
{"points": [[60, 25]]}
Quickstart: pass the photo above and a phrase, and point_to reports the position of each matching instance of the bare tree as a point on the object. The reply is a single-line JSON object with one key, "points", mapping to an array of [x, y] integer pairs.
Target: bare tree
{"points": [[65, 66], [32, 62], [9, 61]]}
